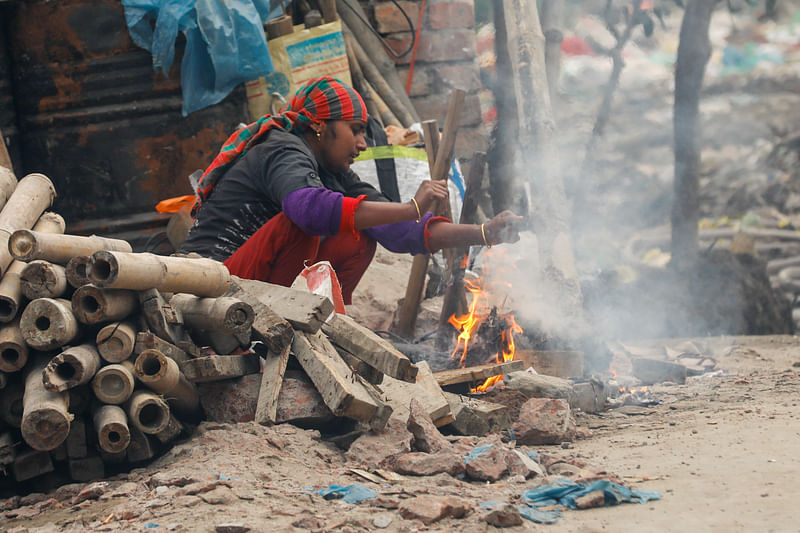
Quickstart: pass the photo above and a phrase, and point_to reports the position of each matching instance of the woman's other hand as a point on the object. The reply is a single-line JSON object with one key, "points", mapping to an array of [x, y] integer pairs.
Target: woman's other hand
{"points": [[504, 227]]}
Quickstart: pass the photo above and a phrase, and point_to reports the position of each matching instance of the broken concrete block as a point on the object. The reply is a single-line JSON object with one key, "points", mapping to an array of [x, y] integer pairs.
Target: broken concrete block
{"points": [[651, 371], [381, 449], [538, 386], [488, 466], [589, 396], [430, 509], [477, 417], [520, 464], [230, 401], [503, 515], [544, 421], [428, 464], [299, 401], [426, 437]]}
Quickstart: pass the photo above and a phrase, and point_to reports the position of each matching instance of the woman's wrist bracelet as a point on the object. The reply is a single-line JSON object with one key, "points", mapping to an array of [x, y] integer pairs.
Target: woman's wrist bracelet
{"points": [[483, 234], [416, 205]]}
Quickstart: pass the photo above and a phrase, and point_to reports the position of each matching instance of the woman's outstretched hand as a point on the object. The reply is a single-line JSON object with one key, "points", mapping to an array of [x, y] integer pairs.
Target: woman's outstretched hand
{"points": [[504, 227], [430, 192]]}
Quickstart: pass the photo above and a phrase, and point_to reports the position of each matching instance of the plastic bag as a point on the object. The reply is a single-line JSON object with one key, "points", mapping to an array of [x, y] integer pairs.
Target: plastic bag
{"points": [[225, 43], [320, 278]]}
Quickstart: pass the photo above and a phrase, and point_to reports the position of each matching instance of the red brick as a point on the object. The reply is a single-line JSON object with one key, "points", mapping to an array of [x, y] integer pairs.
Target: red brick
{"points": [[430, 508], [381, 449], [445, 14], [428, 464], [231, 401], [435, 46], [544, 421], [299, 400], [422, 83], [490, 466], [390, 19], [435, 107], [464, 75], [471, 140]]}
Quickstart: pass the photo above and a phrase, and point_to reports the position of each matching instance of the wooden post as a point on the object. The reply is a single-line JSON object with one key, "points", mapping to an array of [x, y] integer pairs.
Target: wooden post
{"points": [[111, 424], [271, 382], [41, 279], [45, 417], [407, 314], [77, 270], [34, 194], [115, 341], [13, 350], [11, 284], [304, 311], [28, 245], [113, 384], [74, 366], [147, 412], [161, 374], [224, 314], [454, 294], [93, 305], [48, 323]]}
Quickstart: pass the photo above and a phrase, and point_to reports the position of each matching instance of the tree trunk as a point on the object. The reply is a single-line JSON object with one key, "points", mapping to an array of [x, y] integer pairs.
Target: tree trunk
{"points": [[694, 51]]}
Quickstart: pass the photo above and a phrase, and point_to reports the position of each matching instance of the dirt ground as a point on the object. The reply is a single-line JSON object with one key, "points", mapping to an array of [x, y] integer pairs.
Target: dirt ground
{"points": [[722, 450]]}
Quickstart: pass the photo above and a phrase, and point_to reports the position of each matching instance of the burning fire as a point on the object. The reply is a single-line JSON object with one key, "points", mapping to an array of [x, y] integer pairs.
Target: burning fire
{"points": [[467, 325]]}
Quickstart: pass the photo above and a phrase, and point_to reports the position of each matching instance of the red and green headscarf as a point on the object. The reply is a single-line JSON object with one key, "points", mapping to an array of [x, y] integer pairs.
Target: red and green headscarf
{"points": [[324, 98]]}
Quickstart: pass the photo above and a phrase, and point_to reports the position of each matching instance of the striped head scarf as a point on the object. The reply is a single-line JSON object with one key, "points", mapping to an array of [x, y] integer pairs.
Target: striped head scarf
{"points": [[324, 98]]}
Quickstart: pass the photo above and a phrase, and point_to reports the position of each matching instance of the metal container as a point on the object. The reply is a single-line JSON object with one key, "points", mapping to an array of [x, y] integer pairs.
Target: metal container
{"points": [[97, 119]]}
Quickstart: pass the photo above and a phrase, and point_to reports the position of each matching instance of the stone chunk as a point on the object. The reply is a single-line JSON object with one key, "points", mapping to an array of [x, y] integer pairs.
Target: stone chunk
{"points": [[381, 449], [426, 437], [505, 515], [231, 401], [430, 509], [90, 492], [538, 385], [596, 498], [428, 464], [519, 464], [490, 465], [544, 421], [477, 417]]}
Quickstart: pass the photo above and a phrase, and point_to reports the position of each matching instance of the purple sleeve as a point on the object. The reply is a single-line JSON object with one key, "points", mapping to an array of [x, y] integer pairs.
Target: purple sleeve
{"points": [[402, 237], [315, 210]]}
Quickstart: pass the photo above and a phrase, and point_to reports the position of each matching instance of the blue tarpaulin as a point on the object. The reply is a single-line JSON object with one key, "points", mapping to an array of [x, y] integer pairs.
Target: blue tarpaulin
{"points": [[354, 493], [225, 43]]}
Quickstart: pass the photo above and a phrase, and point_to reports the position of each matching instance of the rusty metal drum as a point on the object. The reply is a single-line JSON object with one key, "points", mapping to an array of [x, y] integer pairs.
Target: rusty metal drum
{"points": [[97, 119]]}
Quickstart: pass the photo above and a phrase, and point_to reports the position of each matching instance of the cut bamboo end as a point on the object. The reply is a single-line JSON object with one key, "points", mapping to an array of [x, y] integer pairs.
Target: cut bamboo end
{"points": [[92, 305], [77, 270], [48, 323], [148, 412], [116, 341], [111, 424], [11, 296], [72, 367], [13, 350], [224, 314], [113, 384], [45, 415], [42, 279], [27, 245], [157, 371]]}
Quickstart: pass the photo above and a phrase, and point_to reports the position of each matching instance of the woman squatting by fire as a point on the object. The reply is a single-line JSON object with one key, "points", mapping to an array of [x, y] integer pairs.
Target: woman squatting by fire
{"points": [[280, 194]]}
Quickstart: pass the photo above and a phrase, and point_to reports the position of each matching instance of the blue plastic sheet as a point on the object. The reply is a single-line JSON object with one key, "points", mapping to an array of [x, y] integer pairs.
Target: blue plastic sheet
{"points": [[564, 492], [476, 452], [354, 493], [225, 43]]}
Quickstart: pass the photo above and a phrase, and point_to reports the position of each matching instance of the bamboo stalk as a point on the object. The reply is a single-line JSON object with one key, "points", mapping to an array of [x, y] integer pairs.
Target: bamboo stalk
{"points": [[360, 83], [161, 374], [223, 314], [11, 285], [41, 279], [113, 384], [115, 341], [34, 194], [92, 305], [111, 424], [45, 416], [28, 245], [48, 323], [77, 270], [143, 271], [13, 350], [74, 366], [147, 412]]}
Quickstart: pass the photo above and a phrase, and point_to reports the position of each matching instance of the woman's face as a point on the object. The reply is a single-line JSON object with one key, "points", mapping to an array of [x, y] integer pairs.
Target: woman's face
{"points": [[340, 143]]}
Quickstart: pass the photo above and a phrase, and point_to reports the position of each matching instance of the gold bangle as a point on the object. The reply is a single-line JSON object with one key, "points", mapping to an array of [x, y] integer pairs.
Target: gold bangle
{"points": [[416, 205], [483, 234]]}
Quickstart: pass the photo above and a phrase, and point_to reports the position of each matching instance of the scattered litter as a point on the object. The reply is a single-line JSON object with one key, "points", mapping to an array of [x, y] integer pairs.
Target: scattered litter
{"points": [[354, 493]]}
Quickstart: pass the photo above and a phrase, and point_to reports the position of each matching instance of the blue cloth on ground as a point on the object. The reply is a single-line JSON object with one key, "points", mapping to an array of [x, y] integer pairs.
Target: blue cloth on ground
{"points": [[476, 452], [225, 43], [354, 493], [564, 492]]}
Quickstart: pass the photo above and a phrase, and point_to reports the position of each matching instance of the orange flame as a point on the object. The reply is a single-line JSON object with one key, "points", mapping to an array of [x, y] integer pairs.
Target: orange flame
{"points": [[468, 323]]}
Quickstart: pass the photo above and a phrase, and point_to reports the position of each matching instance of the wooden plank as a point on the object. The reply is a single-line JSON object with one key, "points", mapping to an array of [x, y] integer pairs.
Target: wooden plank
{"points": [[304, 310], [477, 417], [334, 380], [476, 373], [268, 327], [369, 347], [425, 390], [149, 341], [219, 367], [271, 382], [369, 373]]}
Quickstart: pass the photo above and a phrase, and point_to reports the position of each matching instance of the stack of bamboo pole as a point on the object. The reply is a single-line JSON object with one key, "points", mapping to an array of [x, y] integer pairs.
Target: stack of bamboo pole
{"points": [[77, 384]]}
